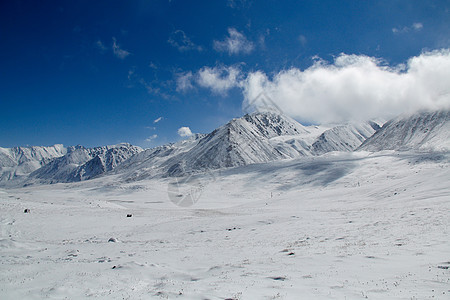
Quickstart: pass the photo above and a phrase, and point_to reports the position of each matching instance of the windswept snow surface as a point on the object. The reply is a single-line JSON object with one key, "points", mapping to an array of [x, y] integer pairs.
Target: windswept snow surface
{"points": [[339, 226]]}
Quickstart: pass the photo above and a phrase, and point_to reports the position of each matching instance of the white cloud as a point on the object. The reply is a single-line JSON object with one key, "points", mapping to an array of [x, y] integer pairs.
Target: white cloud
{"points": [[356, 87], [184, 82], [151, 138], [235, 43], [118, 52], [417, 26], [182, 42], [219, 79], [157, 120], [405, 29], [184, 131]]}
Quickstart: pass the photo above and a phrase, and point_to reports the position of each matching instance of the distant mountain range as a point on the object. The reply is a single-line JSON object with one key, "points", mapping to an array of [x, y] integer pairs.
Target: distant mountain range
{"points": [[255, 138]]}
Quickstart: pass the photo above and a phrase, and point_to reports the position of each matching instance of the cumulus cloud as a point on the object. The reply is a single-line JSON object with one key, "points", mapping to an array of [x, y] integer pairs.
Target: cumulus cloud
{"points": [[184, 131], [355, 87], [119, 52], [234, 43], [157, 120], [219, 79], [182, 42]]}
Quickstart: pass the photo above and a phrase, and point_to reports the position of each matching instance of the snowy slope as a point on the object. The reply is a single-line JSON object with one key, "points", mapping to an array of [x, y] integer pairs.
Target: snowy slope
{"points": [[254, 138], [20, 161], [148, 162], [84, 163], [343, 225], [423, 130], [344, 137], [240, 142], [265, 137], [338, 226]]}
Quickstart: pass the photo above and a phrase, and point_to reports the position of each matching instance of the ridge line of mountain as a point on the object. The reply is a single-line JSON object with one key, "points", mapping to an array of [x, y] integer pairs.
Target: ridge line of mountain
{"points": [[253, 138]]}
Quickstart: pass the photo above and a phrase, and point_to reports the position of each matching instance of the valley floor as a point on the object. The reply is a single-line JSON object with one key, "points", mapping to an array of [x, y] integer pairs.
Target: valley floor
{"points": [[340, 226]]}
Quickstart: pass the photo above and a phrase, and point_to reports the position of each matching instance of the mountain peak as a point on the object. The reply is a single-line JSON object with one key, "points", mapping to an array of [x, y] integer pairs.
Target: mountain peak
{"points": [[425, 130]]}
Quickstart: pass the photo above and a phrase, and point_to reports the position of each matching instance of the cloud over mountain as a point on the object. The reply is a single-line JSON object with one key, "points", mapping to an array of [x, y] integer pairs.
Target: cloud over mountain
{"points": [[355, 87], [184, 131]]}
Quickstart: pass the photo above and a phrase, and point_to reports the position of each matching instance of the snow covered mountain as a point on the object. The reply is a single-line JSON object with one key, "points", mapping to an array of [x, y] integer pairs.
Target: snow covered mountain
{"points": [[82, 163], [247, 140], [20, 161], [254, 138], [344, 137], [421, 131], [148, 162]]}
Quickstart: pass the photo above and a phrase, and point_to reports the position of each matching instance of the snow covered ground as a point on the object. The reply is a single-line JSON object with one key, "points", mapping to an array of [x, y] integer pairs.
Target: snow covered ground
{"points": [[340, 226]]}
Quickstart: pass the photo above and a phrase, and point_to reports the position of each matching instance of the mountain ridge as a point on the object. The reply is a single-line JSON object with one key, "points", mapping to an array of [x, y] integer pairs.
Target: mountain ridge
{"points": [[251, 139], [423, 130]]}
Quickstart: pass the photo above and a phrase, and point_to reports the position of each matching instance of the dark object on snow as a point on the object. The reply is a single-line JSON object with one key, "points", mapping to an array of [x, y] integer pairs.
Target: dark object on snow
{"points": [[279, 278], [26, 211], [112, 240], [129, 215]]}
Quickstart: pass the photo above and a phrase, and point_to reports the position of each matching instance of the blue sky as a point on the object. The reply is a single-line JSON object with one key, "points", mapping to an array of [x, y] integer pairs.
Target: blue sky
{"points": [[104, 72]]}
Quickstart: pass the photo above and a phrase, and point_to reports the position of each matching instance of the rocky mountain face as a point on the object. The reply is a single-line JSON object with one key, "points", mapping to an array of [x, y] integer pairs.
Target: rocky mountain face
{"points": [[344, 137], [20, 161], [420, 131], [150, 162], [82, 163]]}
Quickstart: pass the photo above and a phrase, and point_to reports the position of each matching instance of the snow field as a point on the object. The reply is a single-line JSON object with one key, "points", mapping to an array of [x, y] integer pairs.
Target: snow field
{"points": [[340, 226]]}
